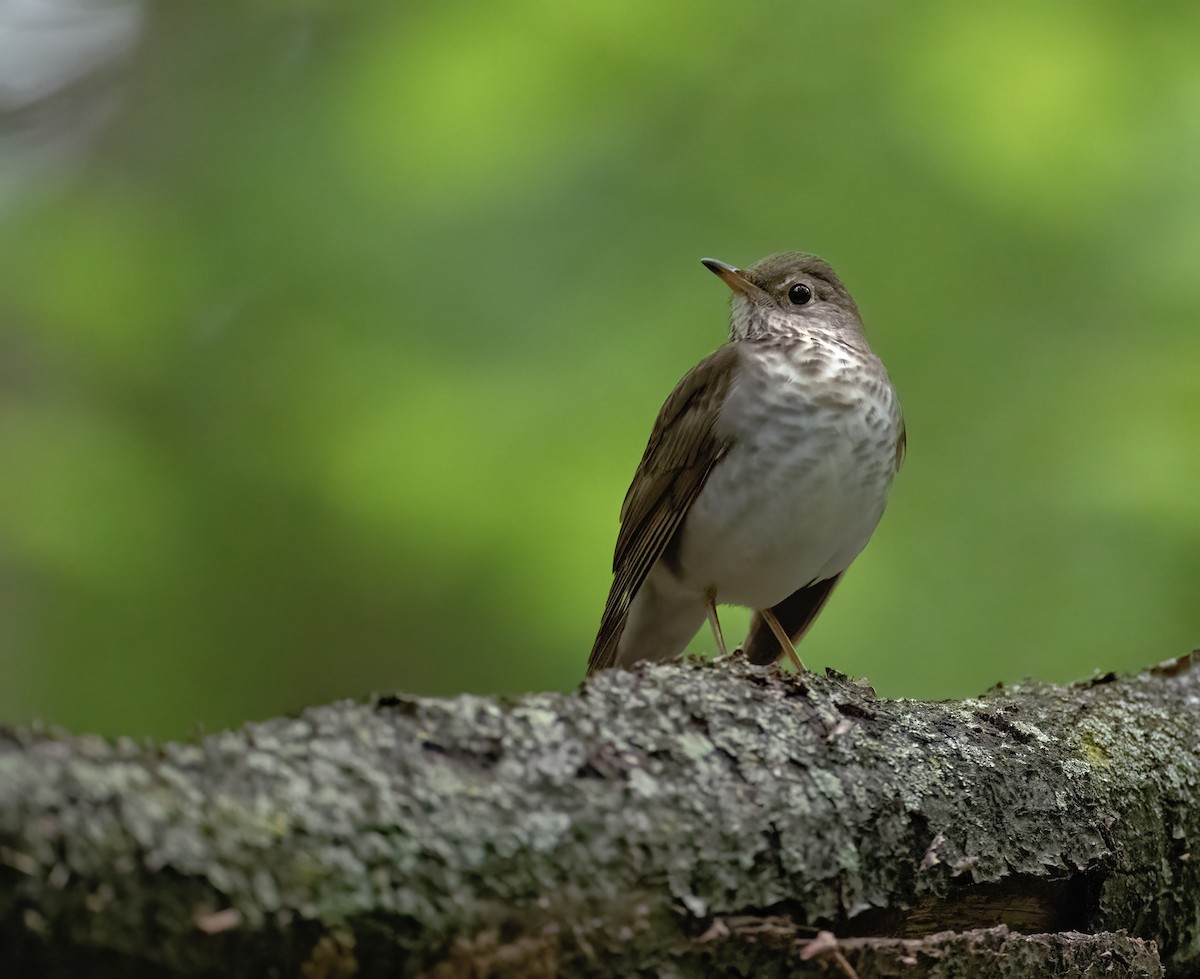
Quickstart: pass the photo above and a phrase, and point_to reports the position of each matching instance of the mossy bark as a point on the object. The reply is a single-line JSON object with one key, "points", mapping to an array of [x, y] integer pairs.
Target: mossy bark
{"points": [[694, 819]]}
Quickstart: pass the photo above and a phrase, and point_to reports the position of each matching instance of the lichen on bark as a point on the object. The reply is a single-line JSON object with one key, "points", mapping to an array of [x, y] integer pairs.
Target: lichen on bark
{"points": [[643, 824]]}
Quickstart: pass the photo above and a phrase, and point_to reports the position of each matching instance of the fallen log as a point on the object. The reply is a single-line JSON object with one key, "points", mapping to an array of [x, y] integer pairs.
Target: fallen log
{"points": [[698, 819]]}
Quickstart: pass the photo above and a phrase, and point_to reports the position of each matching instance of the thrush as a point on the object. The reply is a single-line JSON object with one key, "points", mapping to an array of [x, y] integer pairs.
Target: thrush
{"points": [[766, 473]]}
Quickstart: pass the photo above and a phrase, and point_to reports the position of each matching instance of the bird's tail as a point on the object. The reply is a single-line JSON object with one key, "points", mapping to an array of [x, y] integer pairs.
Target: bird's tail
{"points": [[795, 613], [612, 624]]}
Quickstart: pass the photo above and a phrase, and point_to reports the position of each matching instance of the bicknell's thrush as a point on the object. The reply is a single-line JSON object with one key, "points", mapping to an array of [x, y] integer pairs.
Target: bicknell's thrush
{"points": [[766, 472]]}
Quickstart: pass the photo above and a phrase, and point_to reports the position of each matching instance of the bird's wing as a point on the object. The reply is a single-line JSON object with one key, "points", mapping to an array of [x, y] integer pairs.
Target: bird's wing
{"points": [[683, 449]]}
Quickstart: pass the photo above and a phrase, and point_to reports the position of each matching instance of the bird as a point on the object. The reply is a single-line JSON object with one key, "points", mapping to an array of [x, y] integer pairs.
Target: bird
{"points": [[766, 472]]}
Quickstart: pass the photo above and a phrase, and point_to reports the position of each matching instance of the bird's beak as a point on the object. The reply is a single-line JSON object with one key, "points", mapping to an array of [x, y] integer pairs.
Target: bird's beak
{"points": [[734, 278]]}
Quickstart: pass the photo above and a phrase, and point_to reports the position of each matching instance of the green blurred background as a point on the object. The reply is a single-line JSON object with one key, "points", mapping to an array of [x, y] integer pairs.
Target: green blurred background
{"points": [[331, 334]]}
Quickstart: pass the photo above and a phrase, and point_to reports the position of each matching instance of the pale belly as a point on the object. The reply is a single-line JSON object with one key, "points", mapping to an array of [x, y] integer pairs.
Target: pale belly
{"points": [[796, 499]]}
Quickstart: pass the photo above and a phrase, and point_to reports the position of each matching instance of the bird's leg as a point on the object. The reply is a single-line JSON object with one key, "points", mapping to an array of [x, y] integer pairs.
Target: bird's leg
{"points": [[710, 609], [785, 641]]}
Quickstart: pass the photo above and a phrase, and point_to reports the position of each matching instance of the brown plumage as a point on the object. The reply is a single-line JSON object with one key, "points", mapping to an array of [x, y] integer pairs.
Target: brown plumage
{"points": [[682, 451]]}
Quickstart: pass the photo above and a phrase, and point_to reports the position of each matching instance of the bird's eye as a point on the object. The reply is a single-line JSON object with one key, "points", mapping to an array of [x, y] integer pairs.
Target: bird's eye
{"points": [[799, 294]]}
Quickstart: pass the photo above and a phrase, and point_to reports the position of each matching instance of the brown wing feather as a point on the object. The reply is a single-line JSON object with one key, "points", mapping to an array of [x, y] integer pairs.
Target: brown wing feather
{"points": [[795, 613], [682, 451]]}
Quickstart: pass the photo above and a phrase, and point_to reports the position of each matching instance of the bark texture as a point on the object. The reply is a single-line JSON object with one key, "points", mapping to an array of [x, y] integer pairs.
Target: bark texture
{"points": [[678, 820]]}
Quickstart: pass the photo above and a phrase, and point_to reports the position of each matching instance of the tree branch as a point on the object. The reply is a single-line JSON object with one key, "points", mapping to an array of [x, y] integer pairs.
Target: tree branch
{"points": [[696, 819]]}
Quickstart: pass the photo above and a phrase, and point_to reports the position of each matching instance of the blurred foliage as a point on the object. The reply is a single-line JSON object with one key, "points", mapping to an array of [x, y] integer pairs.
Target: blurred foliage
{"points": [[332, 334]]}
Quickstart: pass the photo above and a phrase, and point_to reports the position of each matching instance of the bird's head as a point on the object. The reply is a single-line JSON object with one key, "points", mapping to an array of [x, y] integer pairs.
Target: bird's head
{"points": [[788, 293]]}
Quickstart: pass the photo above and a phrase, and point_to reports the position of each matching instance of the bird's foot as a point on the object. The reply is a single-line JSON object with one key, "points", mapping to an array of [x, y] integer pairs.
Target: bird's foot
{"points": [[825, 945]]}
